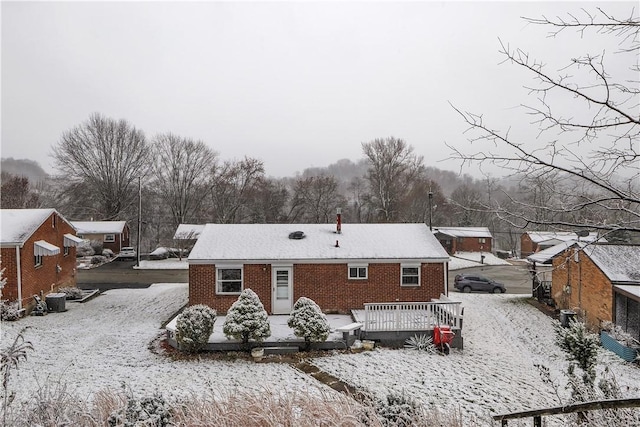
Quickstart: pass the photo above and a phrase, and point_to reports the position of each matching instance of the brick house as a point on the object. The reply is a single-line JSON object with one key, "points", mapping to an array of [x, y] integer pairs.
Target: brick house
{"points": [[534, 241], [464, 239], [338, 270], [38, 253], [600, 282], [113, 235]]}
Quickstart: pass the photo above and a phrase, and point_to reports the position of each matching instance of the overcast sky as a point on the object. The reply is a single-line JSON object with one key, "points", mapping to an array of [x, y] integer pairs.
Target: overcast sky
{"points": [[294, 84]]}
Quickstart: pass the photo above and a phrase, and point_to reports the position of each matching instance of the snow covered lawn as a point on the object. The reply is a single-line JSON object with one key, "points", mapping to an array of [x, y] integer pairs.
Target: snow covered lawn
{"points": [[105, 342]]}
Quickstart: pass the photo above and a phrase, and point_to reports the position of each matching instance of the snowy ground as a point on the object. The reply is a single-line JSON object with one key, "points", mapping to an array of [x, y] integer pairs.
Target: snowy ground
{"points": [[472, 259], [105, 342]]}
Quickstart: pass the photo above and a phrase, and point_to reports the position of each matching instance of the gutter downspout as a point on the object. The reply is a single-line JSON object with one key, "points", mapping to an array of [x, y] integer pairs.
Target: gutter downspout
{"points": [[446, 278], [19, 269]]}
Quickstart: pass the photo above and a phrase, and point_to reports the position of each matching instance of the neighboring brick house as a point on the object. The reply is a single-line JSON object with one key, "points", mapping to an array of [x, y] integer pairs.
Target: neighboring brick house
{"points": [[38, 253], [464, 239], [534, 241], [338, 270], [601, 282], [113, 235]]}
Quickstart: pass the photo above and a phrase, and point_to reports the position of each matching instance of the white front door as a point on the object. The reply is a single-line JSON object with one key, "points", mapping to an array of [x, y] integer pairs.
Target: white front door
{"points": [[282, 286]]}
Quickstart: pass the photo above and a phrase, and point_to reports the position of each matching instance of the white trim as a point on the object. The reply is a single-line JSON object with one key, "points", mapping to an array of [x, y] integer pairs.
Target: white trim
{"points": [[19, 277], [357, 266], [411, 265], [218, 268]]}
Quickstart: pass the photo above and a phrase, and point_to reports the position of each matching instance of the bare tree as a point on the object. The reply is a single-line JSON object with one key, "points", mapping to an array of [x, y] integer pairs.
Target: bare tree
{"points": [[316, 198], [592, 146], [393, 169], [16, 193], [108, 156], [181, 170], [231, 188], [268, 202]]}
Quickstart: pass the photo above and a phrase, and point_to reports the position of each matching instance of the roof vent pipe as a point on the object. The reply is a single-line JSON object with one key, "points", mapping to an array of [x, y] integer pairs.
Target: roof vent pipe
{"points": [[337, 244], [338, 221]]}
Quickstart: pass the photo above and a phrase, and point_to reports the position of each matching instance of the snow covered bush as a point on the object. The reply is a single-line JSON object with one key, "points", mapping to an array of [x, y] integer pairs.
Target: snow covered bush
{"points": [[194, 327], [420, 343], [71, 292], [107, 253], [580, 346], [84, 249], [308, 321], [247, 319], [148, 412], [97, 246], [399, 410], [9, 310]]}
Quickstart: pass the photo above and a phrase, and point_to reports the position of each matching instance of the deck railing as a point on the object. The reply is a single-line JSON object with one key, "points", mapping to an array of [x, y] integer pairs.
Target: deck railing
{"points": [[411, 316]]}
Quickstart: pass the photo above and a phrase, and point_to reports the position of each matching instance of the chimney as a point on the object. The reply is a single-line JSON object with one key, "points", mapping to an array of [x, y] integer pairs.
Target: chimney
{"points": [[338, 221]]}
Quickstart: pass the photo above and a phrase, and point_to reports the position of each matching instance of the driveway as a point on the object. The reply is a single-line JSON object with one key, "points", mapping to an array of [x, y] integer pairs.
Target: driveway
{"points": [[516, 278], [121, 274]]}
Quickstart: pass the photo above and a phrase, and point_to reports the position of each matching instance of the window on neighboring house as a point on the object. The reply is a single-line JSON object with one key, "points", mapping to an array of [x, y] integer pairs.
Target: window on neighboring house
{"points": [[37, 260], [410, 275], [358, 271], [482, 240], [229, 280], [109, 237]]}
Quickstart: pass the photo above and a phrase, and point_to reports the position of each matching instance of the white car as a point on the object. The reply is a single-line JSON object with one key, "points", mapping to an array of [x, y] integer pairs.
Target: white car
{"points": [[128, 252]]}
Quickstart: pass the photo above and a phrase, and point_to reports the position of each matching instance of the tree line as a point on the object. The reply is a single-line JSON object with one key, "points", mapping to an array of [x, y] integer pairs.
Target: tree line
{"points": [[547, 184]]}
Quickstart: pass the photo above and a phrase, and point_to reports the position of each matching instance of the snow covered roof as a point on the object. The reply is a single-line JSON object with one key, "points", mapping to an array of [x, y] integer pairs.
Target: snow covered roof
{"points": [[561, 236], [620, 263], [271, 242], [630, 289], [188, 231], [464, 231], [99, 227], [17, 225], [549, 253]]}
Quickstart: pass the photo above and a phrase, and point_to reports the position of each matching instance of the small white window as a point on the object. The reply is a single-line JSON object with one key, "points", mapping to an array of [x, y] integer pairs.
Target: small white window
{"points": [[110, 238], [482, 240], [37, 260], [358, 272], [228, 280], [410, 275], [66, 250]]}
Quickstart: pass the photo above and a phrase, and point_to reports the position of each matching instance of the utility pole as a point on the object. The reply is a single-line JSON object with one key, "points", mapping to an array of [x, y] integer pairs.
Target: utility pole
{"points": [[139, 219], [430, 210]]}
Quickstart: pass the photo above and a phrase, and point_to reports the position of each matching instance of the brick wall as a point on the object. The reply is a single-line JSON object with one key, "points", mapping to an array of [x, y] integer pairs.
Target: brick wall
{"points": [[45, 278], [590, 293], [326, 284], [527, 247], [472, 244]]}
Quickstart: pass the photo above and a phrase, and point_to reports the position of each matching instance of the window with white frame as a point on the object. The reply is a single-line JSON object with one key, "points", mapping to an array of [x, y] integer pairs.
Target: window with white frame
{"points": [[358, 271], [110, 238], [228, 280], [482, 240], [410, 275], [37, 260], [66, 250]]}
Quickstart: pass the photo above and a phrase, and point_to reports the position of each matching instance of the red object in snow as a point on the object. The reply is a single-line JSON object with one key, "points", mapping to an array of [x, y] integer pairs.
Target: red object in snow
{"points": [[443, 336]]}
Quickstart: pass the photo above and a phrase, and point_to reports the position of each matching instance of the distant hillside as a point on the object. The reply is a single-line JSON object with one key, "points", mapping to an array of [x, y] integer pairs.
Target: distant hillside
{"points": [[23, 167]]}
